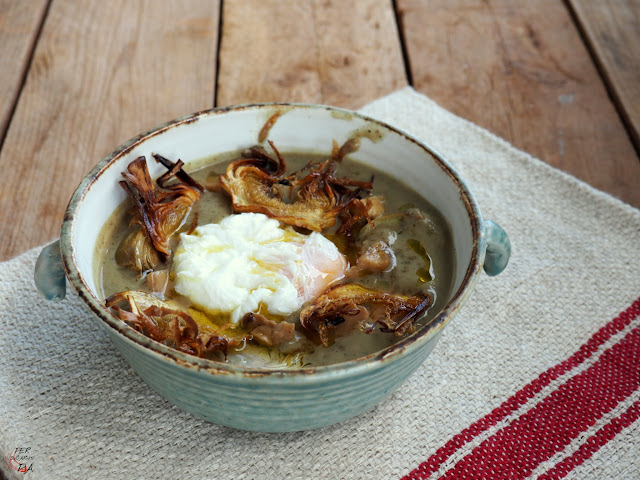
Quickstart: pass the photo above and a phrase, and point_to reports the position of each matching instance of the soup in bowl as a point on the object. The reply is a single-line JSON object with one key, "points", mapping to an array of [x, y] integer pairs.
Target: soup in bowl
{"points": [[274, 267]]}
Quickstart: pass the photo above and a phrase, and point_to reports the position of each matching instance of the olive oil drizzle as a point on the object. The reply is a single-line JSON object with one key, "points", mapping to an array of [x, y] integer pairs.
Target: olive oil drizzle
{"points": [[425, 273]]}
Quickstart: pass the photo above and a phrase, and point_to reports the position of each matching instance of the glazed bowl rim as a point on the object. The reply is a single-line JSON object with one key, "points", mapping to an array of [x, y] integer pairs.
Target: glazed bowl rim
{"points": [[317, 373]]}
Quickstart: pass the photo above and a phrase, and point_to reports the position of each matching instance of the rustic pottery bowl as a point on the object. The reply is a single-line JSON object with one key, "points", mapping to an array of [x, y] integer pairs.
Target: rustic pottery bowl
{"points": [[262, 399]]}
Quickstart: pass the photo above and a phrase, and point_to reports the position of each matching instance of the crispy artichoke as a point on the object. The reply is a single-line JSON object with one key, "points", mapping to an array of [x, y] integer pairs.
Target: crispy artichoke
{"points": [[175, 328], [159, 213], [256, 184], [343, 303]]}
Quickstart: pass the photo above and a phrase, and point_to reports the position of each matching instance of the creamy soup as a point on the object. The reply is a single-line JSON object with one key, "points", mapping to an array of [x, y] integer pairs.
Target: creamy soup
{"points": [[411, 236]]}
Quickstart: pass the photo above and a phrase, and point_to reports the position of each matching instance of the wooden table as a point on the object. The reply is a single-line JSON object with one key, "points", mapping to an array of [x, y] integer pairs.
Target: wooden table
{"points": [[560, 80]]}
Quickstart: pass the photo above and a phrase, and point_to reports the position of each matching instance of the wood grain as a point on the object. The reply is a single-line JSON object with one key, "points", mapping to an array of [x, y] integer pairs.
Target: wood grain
{"points": [[612, 29], [19, 25], [102, 72], [340, 53], [522, 71]]}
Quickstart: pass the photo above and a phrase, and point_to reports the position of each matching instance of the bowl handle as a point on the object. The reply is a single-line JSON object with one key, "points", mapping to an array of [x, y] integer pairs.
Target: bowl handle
{"points": [[498, 248], [49, 273]]}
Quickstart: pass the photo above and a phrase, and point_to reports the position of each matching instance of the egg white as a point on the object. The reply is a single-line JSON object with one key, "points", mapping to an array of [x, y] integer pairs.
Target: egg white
{"points": [[249, 261]]}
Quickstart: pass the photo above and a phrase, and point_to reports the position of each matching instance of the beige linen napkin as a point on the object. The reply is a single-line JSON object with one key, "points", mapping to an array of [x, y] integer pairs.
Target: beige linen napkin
{"points": [[75, 408]]}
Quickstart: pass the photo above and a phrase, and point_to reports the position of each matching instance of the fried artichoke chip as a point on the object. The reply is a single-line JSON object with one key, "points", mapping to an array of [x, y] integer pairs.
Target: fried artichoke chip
{"points": [[256, 185], [358, 214], [175, 328], [394, 313], [159, 213]]}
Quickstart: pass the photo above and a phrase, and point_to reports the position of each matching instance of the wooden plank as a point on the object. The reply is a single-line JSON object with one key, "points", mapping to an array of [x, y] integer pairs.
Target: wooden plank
{"points": [[19, 27], [102, 72], [612, 29], [340, 53], [522, 71]]}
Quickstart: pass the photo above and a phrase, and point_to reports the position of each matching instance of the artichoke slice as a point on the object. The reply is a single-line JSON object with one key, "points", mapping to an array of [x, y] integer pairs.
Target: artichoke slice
{"points": [[255, 185], [393, 313], [175, 328], [158, 214]]}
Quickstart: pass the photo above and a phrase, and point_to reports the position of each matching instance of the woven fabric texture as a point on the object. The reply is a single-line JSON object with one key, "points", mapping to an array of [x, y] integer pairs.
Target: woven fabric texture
{"points": [[69, 397]]}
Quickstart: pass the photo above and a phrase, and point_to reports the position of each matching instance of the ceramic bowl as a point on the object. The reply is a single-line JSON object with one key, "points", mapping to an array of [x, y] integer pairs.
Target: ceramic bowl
{"points": [[262, 399]]}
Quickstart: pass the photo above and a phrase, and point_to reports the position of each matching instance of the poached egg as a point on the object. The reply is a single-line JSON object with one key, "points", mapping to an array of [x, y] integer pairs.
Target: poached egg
{"points": [[249, 263]]}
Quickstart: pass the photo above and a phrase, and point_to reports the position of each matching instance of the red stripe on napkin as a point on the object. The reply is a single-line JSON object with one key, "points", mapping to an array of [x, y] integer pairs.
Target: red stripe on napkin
{"points": [[593, 444], [517, 449]]}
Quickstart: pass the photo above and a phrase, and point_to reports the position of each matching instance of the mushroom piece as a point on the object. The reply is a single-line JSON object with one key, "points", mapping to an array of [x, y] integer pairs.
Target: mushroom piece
{"points": [[157, 282], [268, 332], [393, 313], [378, 258]]}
